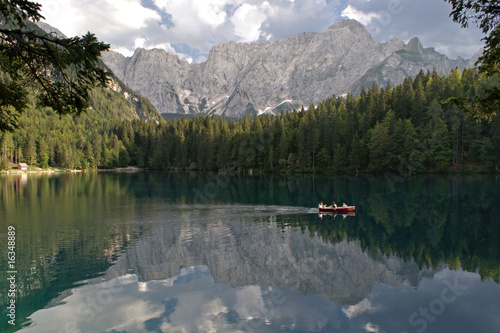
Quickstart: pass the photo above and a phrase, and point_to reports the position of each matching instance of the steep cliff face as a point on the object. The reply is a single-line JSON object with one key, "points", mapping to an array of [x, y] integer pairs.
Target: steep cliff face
{"points": [[139, 106], [240, 79], [408, 61]]}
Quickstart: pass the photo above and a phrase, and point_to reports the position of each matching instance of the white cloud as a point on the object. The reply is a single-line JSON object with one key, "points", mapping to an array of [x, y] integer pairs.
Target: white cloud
{"points": [[427, 19], [123, 50], [247, 20], [110, 20], [139, 42], [193, 27], [362, 17], [105, 16], [365, 306], [211, 12], [249, 302], [200, 24], [197, 23], [371, 328]]}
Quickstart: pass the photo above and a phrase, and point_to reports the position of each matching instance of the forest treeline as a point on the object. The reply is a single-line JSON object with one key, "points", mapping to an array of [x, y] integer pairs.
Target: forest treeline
{"points": [[405, 129]]}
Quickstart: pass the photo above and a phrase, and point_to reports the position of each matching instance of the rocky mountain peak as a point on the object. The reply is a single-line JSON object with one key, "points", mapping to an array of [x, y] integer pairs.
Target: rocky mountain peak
{"points": [[252, 78], [475, 57], [156, 54], [415, 45], [352, 25], [346, 23]]}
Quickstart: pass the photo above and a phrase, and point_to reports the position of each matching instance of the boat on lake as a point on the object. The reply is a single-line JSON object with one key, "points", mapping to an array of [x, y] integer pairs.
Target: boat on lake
{"points": [[341, 209]]}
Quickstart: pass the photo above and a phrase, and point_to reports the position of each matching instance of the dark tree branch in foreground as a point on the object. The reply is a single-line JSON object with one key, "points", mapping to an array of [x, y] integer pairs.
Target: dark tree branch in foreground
{"points": [[61, 71], [486, 14]]}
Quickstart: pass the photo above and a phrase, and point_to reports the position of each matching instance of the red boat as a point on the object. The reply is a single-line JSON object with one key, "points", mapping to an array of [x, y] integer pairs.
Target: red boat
{"points": [[340, 209]]}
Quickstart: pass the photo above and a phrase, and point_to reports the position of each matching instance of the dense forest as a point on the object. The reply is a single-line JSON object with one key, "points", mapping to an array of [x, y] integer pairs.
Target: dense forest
{"points": [[404, 129]]}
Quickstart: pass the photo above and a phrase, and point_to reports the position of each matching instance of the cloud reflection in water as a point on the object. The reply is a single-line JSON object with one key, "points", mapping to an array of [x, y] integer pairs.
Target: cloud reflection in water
{"points": [[193, 302]]}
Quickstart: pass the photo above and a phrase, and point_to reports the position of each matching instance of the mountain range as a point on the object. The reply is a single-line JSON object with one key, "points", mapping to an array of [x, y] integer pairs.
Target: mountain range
{"points": [[253, 78]]}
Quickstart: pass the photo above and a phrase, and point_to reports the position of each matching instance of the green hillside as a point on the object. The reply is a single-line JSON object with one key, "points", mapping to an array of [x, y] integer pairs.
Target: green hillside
{"points": [[46, 139], [403, 130]]}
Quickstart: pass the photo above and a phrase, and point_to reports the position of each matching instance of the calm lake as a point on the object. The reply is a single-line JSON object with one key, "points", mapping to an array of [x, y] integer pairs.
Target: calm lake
{"points": [[170, 252]]}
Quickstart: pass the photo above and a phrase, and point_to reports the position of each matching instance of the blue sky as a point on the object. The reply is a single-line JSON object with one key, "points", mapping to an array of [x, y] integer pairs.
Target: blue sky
{"points": [[190, 28]]}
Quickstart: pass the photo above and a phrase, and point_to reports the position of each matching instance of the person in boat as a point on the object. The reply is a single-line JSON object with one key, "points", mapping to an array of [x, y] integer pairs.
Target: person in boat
{"points": [[334, 205], [321, 205], [344, 205]]}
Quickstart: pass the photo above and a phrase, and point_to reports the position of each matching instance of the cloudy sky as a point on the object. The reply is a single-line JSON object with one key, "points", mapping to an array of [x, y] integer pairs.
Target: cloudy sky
{"points": [[190, 28]]}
